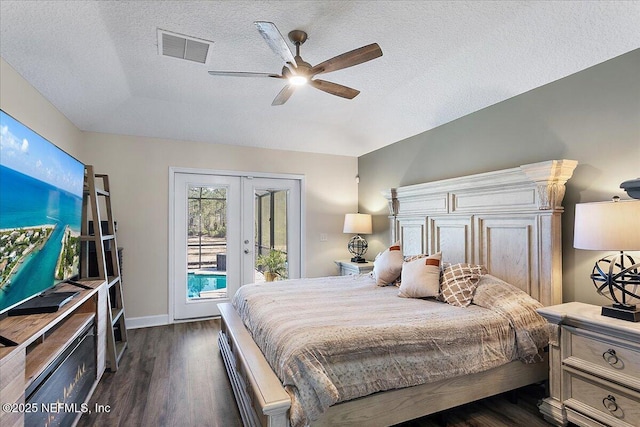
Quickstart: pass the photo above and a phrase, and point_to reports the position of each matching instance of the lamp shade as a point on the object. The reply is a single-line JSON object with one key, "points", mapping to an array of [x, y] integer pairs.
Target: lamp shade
{"points": [[608, 226], [357, 224]]}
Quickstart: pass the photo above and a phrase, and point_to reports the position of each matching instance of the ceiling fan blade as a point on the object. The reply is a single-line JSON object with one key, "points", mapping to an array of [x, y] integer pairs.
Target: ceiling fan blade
{"points": [[348, 59], [276, 42], [334, 88], [286, 72], [244, 74], [284, 95]]}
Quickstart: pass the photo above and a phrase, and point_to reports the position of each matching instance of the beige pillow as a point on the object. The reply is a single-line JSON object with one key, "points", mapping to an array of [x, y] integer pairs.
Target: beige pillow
{"points": [[459, 282], [408, 258], [421, 277], [388, 265]]}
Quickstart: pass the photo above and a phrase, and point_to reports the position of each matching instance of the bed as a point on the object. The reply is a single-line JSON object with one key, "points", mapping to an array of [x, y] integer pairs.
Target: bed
{"points": [[507, 221]]}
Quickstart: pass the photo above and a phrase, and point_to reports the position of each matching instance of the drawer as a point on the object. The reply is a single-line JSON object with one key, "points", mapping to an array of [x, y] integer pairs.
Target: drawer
{"points": [[606, 357], [344, 271], [600, 400]]}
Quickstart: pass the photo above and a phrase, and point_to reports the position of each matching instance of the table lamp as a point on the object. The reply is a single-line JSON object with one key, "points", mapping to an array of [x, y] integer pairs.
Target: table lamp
{"points": [[612, 226], [359, 224]]}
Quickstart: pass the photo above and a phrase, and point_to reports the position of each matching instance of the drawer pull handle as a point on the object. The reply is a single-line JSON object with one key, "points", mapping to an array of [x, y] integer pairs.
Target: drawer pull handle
{"points": [[609, 402], [610, 357]]}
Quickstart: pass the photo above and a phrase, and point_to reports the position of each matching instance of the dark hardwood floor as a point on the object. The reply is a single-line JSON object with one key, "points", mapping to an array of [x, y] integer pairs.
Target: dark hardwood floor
{"points": [[174, 376], [169, 376]]}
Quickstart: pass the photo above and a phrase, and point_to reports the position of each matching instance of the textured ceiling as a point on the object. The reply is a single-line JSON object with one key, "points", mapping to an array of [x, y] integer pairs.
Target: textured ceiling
{"points": [[98, 63]]}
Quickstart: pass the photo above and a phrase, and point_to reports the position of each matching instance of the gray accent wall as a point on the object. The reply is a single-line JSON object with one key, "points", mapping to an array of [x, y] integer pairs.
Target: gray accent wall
{"points": [[592, 116]]}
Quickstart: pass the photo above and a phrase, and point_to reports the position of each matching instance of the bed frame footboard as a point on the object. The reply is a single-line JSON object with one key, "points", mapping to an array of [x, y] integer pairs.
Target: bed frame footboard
{"points": [[261, 399]]}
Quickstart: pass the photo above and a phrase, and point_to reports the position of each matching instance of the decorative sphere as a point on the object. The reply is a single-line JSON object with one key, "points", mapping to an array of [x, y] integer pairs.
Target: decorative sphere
{"points": [[358, 246], [619, 283]]}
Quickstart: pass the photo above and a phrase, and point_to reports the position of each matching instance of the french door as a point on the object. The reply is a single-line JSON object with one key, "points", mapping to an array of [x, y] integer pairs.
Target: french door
{"points": [[272, 207], [222, 229]]}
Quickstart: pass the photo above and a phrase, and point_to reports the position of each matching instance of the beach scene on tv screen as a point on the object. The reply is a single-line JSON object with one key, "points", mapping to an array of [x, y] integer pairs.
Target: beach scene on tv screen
{"points": [[40, 213]]}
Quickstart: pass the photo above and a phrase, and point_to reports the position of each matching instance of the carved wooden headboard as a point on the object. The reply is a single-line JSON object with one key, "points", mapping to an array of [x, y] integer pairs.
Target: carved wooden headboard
{"points": [[508, 220]]}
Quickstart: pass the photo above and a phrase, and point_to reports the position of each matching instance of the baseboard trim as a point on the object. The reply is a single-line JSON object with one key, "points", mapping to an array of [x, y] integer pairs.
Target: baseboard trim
{"points": [[147, 321], [159, 320]]}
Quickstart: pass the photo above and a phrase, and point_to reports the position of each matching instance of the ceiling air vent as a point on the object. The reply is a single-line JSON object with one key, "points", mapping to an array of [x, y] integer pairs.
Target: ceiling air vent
{"points": [[183, 47]]}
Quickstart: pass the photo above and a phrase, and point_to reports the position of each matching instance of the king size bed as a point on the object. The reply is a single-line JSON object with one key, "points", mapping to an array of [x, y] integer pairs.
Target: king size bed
{"points": [[346, 351]]}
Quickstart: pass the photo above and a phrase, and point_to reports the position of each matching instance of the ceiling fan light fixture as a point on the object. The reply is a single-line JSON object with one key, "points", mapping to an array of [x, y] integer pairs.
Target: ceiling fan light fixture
{"points": [[298, 72], [298, 80]]}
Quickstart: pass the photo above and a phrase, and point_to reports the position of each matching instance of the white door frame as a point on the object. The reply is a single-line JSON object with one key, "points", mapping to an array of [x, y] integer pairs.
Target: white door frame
{"points": [[172, 199]]}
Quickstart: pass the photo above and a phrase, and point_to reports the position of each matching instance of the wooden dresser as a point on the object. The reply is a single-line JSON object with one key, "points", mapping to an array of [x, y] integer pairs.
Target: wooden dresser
{"points": [[594, 375]]}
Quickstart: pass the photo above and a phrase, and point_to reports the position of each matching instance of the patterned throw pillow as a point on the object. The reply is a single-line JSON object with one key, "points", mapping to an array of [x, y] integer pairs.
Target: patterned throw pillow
{"points": [[388, 265], [459, 282], [421, 277]]}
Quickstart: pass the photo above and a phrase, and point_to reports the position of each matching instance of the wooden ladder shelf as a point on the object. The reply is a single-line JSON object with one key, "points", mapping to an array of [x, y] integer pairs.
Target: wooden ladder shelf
{"points": [[100, 251]]}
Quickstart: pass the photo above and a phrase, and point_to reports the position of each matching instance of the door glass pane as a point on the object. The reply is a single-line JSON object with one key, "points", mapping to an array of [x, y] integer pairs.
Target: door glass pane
{"points": [[271, 261], [280, 220], [263, 222], [207, 242]]}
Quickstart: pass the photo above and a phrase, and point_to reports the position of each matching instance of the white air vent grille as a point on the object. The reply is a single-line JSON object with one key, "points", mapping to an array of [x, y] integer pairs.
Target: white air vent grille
{"points": [[183, 47]]}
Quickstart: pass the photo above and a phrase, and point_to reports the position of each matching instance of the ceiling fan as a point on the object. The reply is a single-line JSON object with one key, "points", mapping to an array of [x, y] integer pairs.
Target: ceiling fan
{"points": [[297, 72]]}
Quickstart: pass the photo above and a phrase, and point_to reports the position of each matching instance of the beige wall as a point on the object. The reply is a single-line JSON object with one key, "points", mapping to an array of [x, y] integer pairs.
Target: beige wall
{"points": [[138, 170], [592, 116], [24, 103]]}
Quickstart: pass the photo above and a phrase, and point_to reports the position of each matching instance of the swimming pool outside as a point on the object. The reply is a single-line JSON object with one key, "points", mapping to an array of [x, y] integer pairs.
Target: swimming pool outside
{"points": [[207, 284]]}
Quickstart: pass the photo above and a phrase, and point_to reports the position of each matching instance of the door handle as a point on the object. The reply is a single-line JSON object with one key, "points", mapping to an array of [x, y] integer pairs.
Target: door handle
{"points": [[246, 251]]}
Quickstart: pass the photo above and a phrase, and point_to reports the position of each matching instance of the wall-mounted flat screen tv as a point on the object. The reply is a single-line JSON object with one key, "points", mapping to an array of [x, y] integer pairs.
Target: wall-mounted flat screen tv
{"points": [[40, 213]]}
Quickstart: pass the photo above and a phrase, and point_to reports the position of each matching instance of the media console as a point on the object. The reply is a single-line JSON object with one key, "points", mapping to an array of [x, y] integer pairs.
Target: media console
{"points": [[44, 356]]}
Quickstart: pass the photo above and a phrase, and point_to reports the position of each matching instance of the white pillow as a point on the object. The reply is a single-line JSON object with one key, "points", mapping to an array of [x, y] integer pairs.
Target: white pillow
{"points": [[388, 265], [421, 277]]}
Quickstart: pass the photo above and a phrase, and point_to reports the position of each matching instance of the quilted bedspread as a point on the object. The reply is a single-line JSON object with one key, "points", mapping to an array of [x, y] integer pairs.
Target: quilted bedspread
{"points": [[334, 339]]}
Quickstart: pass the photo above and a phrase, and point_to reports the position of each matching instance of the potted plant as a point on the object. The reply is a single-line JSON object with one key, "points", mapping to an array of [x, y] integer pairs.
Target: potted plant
{"points": [[273, 264]]}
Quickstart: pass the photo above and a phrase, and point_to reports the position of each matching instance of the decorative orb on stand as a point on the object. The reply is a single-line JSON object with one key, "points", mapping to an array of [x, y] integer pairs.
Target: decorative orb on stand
{"points": [[357, 247], [618, 283]]}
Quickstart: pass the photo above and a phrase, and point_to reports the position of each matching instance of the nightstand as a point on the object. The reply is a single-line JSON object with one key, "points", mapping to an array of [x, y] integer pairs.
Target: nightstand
{"points": [[348, 268], [594, 375]]}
